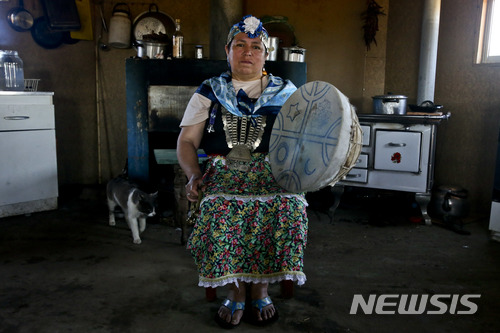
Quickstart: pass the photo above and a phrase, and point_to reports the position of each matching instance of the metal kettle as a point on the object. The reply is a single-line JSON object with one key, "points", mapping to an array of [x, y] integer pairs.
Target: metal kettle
{"points": [[449, 202]]}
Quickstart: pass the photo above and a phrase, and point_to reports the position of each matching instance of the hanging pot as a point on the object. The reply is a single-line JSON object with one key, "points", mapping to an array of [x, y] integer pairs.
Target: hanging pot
{"points": [[45, 37], [152, 22], [19, 18], [119, 27]]}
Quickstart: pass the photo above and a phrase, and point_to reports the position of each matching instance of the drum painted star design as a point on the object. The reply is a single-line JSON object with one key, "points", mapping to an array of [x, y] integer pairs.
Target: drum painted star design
{"points": [[311, 136]]}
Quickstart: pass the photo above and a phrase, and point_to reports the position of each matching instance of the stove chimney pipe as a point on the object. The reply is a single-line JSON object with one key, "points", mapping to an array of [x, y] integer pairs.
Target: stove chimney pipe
{"points": [[428, 51], [223, 14]]}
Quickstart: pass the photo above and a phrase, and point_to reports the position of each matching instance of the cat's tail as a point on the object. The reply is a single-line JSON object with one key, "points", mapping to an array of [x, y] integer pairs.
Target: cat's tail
{"points": [[124, 173]]}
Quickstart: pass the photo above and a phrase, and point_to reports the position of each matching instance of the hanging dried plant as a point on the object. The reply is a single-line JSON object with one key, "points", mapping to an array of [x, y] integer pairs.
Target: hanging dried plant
{"points": [[370, 18]]}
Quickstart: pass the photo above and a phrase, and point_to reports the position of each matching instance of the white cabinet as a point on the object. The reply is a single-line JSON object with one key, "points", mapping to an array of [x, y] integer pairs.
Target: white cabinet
{"points": [[28, 163]]}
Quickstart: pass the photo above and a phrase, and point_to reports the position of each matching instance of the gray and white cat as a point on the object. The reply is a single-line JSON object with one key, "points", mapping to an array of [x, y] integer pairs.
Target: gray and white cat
{"points": [[136, 204]]}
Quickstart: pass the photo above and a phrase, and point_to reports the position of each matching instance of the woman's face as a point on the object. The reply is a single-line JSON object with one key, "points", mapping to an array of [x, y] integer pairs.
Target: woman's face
{"points": [[246, 56]]}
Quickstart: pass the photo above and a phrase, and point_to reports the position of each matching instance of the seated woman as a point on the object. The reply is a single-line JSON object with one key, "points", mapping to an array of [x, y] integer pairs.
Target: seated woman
{"points": [[250, 231]]}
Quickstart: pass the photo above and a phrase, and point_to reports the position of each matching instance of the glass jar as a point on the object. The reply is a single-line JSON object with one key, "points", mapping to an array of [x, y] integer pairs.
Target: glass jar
{"points": [[11, 71]]}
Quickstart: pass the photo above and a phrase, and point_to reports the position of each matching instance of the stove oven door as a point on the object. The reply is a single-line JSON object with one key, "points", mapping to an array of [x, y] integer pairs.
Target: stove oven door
{"points": [[397, 150]]}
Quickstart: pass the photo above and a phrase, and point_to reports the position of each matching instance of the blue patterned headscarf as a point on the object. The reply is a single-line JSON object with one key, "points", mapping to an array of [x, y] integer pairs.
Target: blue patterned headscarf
{"points": [[252, 26], [220, 89]]}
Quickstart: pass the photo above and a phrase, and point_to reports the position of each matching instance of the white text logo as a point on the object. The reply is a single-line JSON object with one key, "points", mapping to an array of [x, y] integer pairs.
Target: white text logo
{"points": [[415, 304]]}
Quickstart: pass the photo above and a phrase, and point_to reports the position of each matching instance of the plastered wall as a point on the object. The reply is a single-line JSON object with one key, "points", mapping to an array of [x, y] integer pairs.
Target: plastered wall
{"points": [[466, 146], [89, 84]]}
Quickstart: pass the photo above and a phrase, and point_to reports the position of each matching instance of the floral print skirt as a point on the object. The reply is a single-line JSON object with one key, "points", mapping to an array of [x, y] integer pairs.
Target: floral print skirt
{"points": [[249, 228]]}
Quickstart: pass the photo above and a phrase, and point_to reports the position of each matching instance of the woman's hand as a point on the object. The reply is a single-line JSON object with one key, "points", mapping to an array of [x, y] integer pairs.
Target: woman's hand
{"points": [[187, 145], [194, 187]]}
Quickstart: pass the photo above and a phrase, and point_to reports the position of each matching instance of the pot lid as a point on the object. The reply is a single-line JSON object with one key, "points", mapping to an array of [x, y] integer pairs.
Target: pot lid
{"points": [[390, 96], [150, 43], [294, 48]]}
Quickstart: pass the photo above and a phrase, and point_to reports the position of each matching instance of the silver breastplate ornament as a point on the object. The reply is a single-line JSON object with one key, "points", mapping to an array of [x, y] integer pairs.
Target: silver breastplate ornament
{"points": [[243, 136]]}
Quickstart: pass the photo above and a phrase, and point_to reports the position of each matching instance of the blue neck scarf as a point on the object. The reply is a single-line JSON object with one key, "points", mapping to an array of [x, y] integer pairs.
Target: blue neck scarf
{"points": [[220, 89]]}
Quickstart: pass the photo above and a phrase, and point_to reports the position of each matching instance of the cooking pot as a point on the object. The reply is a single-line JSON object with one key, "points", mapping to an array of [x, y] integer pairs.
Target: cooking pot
{"points": [[19, 18], [151, 50], [449, 202], [294, 53], [389, 104]]}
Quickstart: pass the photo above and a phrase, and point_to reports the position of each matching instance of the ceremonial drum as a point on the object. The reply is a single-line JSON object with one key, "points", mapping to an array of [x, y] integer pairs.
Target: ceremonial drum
{"points": [[316, 138]]}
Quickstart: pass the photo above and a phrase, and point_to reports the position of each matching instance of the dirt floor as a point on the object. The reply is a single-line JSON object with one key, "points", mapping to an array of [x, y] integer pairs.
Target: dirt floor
{"points": [[69, 271]]}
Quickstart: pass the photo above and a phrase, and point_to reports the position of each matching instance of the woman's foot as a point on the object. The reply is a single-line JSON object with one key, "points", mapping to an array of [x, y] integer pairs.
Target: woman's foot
{"points": [[231, 311], [263, 310]]}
